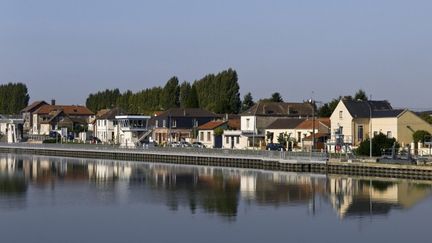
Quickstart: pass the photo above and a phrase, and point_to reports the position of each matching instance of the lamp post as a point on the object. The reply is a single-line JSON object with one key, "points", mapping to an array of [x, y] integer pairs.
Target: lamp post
{"points": [[370, 129]]}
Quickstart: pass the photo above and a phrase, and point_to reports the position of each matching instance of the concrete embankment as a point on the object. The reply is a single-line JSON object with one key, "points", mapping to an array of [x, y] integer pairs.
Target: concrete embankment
{"points": [[303, 164]]}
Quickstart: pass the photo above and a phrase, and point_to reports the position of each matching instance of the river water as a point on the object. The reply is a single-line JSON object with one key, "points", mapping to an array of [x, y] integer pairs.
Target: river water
{"points": [[51, 199]]}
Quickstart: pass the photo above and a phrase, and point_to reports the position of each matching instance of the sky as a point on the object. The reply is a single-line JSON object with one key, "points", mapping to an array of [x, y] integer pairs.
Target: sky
{"points": [[66, 49]]}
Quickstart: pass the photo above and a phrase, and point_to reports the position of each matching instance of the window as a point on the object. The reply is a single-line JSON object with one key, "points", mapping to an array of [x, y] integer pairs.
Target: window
{"points": [[340, 114], [389, 134], [247, 123], [298, 136], [227, 140], [157, 123], [174, 123], [360, 133], [237, 140], [202, 136], [163, 123], [208, 136]]}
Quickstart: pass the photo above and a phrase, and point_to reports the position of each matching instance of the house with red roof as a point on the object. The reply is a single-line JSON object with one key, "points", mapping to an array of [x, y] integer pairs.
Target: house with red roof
{"points": [[210, 133], [51, 117]]}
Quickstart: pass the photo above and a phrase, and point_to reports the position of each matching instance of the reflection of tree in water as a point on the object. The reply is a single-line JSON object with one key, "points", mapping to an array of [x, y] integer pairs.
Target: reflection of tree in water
{"points": [[12, 185], [212, 193], [221, 196]]}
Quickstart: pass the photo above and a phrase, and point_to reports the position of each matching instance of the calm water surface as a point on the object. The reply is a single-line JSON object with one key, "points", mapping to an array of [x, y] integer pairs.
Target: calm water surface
{"points": [[50, 199]]}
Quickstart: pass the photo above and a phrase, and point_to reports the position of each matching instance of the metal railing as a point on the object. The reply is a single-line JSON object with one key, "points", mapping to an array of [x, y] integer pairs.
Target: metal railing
{"points": [[204, 152]]}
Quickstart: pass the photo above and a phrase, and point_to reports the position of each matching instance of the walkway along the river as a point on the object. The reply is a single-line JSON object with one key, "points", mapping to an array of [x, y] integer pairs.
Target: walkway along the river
{"points": [[265, 160]]}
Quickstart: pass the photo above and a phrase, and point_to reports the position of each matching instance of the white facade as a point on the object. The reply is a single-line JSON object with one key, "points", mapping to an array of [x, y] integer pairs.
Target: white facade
{"points": [[234, 140], [106, 131], [206, 137], [248, 123], [132, 129]]}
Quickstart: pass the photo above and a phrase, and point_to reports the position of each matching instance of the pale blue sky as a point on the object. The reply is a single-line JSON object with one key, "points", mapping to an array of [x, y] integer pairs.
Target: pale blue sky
{"points": [[67, 49]]}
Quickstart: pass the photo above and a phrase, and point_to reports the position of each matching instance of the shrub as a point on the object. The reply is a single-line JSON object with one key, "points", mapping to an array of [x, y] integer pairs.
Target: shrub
{"points": [[380, 142]]}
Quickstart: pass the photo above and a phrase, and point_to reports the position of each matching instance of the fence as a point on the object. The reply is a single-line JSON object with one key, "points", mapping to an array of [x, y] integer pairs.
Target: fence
{"points": [[203, 152]]}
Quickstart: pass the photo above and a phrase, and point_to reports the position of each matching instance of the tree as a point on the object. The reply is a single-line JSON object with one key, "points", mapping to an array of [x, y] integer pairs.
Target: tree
{"points": [[188, 96], [247, 102], [276, 97], [360, 95], [170, 94], [426, 117], [327, 109], [421, 136], [13, 98], [380, 142], [219, 93]]}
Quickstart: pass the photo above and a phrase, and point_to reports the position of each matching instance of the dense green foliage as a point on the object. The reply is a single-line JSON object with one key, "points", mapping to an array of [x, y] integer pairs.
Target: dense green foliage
{"points": [[421, 136], [218, 93], [426, 117], [380, 142], [247, 102], [13, 98], [275, 97], [360, 95]]}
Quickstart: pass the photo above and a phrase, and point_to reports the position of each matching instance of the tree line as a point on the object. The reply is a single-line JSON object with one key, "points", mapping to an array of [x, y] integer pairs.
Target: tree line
{"points": [[219, 93], [13, 98]]}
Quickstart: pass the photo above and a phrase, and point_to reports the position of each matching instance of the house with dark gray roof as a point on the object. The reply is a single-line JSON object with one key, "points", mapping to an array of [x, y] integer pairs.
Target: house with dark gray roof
{"points": [[359, 120], [177, 124], [257, 118]]}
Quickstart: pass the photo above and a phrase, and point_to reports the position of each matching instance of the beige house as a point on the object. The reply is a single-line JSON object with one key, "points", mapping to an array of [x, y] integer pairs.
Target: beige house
{"points": [[357, 120]]}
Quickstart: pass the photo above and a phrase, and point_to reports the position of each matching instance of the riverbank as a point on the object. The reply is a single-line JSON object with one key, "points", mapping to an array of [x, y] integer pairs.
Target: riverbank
{"points": [[263, 160]]}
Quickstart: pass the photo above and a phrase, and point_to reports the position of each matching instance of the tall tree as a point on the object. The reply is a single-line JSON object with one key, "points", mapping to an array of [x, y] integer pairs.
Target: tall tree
{"points": [[276, 97], [188, 98], [13, 98], [247, 102], [360, 95], [327, 109], [170, 94]]}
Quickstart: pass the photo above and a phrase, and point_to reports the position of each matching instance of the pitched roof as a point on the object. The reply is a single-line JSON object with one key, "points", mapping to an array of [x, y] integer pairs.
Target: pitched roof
{"points": [[317, 135], [112, 113], [285, 123], [309, 124], [362, 109], [234, 124], [282, 109], [211, 125], [71, 110], [389, 113], [187, 112], [33, 106]]}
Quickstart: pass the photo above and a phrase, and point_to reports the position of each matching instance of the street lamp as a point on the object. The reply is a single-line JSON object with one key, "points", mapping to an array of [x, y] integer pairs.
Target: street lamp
{"points": [[370, 129]]}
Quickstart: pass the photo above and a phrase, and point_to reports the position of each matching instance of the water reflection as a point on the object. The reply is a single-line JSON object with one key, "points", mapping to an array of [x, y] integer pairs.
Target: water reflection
{"points": [[211, 190]]}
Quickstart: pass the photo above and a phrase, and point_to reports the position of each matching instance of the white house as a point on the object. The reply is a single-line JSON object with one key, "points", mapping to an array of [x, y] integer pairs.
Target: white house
{"points": [[255, 120], [11, 128], [132, 129], [106, 128], [207, 136]]}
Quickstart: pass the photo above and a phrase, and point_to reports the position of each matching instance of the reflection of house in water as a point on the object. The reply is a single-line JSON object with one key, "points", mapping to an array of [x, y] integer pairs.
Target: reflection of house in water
{"points": [[106, 171], [351, 197]]}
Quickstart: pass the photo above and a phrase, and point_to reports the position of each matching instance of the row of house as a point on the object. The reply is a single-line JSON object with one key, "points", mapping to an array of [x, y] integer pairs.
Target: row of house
{"points": [[263, 123]]}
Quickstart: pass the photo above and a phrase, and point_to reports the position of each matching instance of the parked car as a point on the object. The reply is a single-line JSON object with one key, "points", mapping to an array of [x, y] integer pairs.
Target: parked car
{"points": [[94, 140], [275, 147], [184, 144], [198, 145]]}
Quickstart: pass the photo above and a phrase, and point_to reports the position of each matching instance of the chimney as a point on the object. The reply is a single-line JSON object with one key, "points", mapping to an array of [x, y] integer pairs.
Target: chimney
{"points": [[53, 102]]}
